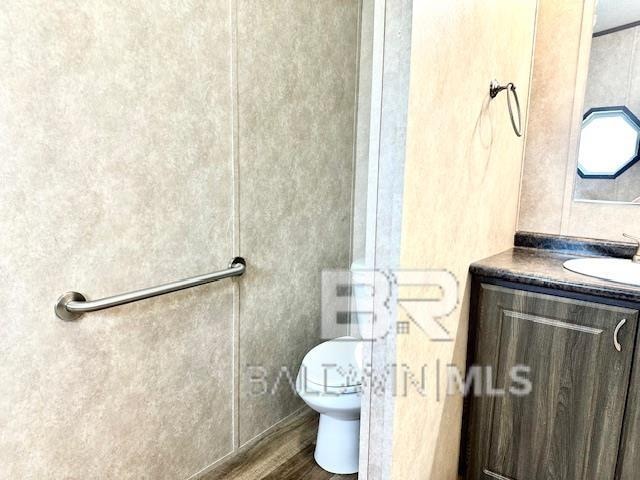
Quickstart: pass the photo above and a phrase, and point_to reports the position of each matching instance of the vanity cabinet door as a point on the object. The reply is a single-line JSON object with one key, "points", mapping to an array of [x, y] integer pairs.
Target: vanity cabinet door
{"points": [[629, 461], [569, 426]]}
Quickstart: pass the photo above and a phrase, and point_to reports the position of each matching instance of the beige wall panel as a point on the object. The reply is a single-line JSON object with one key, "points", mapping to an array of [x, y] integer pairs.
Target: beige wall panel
{"points": [[610, 65], [461, 194], [297, 69], [115, 128], [550, 115]]}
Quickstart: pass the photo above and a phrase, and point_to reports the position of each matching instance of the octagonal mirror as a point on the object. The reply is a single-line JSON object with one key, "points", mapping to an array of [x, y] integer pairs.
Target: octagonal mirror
{"points": [[608, 143]]}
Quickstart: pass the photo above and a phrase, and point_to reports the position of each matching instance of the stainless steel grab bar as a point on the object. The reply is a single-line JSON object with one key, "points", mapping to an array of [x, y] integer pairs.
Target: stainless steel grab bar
{"points": [[72, 305]]}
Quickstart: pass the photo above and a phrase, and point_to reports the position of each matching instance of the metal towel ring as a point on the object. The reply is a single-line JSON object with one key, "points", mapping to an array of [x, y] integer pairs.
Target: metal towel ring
{"points": [[494, 89]]}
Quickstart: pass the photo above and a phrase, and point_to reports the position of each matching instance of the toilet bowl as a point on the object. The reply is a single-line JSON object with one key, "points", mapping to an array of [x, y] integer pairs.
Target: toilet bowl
{"points": [[329, 381]]}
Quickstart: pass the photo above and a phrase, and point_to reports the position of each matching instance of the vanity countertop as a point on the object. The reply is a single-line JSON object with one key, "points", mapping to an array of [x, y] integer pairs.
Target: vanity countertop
{"points": [[543, 268]]}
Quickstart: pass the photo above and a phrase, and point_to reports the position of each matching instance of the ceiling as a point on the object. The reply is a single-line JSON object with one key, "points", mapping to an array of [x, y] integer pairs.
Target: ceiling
{"points": [[614, 13]]}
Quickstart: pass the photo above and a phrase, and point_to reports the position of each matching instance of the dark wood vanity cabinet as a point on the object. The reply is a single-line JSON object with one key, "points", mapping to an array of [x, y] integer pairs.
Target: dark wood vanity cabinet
{"points": [[580, 355]]}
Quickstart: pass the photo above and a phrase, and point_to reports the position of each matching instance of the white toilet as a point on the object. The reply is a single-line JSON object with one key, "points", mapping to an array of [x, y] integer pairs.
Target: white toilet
{"points": [[329, 381]]}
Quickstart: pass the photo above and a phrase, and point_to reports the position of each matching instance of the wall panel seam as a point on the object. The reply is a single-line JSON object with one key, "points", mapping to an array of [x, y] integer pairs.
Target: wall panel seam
{"points": [[235, 140]]}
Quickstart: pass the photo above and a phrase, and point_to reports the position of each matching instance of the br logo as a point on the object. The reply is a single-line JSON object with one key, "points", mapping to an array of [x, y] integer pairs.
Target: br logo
{"points": [[376, 302]]}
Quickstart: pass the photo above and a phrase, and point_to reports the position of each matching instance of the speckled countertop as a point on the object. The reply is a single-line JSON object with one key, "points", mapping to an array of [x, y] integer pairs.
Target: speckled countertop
{"points": [[543, 268]]}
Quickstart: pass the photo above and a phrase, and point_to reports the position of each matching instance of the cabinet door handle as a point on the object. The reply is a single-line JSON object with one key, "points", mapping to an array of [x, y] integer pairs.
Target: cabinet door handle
{"points": [[616, 343]]}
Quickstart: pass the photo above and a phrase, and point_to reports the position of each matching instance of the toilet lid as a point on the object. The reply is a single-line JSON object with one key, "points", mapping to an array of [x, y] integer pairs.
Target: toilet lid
{"points": [[336, 363]]}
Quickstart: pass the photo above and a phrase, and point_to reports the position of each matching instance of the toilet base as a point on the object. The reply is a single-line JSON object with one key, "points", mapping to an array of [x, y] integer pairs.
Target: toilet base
{"points": [[338, 445]]}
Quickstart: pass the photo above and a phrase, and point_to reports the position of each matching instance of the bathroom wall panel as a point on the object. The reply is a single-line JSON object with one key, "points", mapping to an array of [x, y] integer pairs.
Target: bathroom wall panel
{"points": [[115, 140], [462, 173], [296, 92], [551, 115]]}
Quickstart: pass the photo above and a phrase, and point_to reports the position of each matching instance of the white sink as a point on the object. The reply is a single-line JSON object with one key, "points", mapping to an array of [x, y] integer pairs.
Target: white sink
{"points": [[614, 269]]}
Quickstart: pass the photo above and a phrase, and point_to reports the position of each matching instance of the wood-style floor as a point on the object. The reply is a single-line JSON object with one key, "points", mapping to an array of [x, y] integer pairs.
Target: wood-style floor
{"points": [[286, 453]]}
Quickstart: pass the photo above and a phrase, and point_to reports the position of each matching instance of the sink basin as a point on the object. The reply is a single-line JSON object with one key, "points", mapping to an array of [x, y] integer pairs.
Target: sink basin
{"points": [[614, 269]]}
